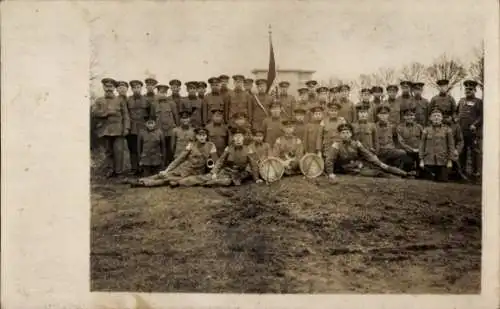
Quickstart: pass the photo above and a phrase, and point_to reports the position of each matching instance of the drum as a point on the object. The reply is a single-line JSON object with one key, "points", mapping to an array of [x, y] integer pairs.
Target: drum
{"points": [[271, 169], [311, 165]]}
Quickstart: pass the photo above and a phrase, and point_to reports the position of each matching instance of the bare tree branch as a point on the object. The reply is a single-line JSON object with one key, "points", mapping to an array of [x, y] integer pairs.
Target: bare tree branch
{"points": [[476, 68], [414, 72], [446, 68]]}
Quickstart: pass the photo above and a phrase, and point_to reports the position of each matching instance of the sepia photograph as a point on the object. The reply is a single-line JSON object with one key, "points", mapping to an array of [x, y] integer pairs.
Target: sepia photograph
{"points": [[298, 147]]}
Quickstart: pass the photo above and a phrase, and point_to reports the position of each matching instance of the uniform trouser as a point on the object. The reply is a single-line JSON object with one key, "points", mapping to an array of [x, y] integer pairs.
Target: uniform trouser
{"points": [[469, 145], [411, 162], [134, 152], [114, 153], [169, 155], [393, 156], [150, 170], [440, 172], [370, 170], [225, 179]]}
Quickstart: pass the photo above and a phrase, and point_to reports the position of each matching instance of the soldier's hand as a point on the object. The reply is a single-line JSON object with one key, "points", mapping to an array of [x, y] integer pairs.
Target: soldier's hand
{"points": [[472, 128], [384, 166], [320, 154], [126, 132], [422, 164], [214, 176], [259, 181], [449, 164], [415, 150], [332, 177]]}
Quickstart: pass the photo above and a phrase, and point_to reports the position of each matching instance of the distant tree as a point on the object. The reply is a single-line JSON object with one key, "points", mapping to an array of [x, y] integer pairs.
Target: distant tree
{"points": [[414, 72], [445, 67], [383, 77], [476, 68]]}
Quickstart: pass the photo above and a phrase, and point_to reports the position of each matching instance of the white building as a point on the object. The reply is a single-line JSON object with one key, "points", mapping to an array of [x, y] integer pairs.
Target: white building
{"points": [[296, 78]]}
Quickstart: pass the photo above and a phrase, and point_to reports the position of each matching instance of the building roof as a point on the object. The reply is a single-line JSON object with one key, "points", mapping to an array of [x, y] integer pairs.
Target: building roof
{"points": [[255, 71]]}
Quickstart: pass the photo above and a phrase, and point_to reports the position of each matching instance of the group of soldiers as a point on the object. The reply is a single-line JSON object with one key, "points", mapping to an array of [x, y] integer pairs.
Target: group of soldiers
{"points": [[221, 137]]}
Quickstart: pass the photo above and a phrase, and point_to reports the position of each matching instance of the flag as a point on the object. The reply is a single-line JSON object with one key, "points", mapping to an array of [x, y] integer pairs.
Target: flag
{"points": [[271, 72]]}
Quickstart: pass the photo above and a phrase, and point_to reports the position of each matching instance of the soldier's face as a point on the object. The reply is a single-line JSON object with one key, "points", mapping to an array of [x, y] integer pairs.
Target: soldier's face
{"points": [[238, 84], [201, 137], [136, 89], [289, 130], [318, 115], [384, 117], [365, 97], [275, 112], [436, 118], [417, 92], [217, 117], [344, 94], [345, 135], [175, 89], [392, 93], [162, 91], [363, 115], [300, 117], [261, 88], [215, 87], [323, 96], [191, 91], [258, 137], [409, 117], [150, 125], [405, 89], [224, 83], [150, 88], [469, 92], [201, 91], [248, 86], [108, 88], [185, 121], [122, 90], [377, 95], [238, 139], [333, 112], [443, 89], [303, 96]]}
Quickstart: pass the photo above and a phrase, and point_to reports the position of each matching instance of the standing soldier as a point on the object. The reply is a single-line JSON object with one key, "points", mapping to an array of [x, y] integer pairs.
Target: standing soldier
{"points": [[336, 93], [193, 104], [443, 101], [405, 100], [470, 119], [239, 101], [366, 104], [213, 100], [217, 130], [261, 103], [175, 87], [300, 122], [287, 100], [271, 126], [248, 85], [458, 144], [202, 89], [152, 149], [150, 90], [329, 125], [113, 123], [393, 104], [183, 134], [140, 111], [313, 141], [409, 135], [421, 104], [303, 102], [225, 91], [164, 111], [322, 95], [162, 91], [377, 93], [364, 130], [122, 90], [311, 91], [386, 132], [348, 110], [289, 148]]}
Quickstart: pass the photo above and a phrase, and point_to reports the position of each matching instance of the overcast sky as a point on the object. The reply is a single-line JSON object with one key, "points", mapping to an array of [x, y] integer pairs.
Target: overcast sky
{"points": [[192, 40]]}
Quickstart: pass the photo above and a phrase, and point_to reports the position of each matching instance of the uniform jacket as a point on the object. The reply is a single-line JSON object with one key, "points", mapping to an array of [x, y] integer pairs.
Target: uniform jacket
{"points": [[152, 148], [258, 114], [260, 150], [421, 111], [193, 159], [458, 138], [386, 134], [366, 133], [348, 111], [288, 104], [238, 101], [140, 111], [212, 101], [234, 162], [194, 106], [300, 130], [177, 99], [111, 116], [330, 133], [444, 102], [470, 112], [395, 113], [166, 115], [290, 146], [409, 136], [437, 146], [218, 134], [405, 103], [313, 141], [272, 129], [180, 138], [347, 154]]}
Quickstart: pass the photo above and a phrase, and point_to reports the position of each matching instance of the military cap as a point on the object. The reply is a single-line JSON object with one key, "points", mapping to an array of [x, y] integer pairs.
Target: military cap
{"points": [[405, 83], [383, 108], [191, 84], [121, 83], [258, 129], [299, 110], [345, 87], [239, 77], [239, 115], [362, 107], [284, 84], [200, 130], [287, 122], [261, 81], [217, 110], [334, 104], [392, 87], [202, 84], [161, 86], [311, 83], [302, 90], [316, 108], [236, 130], [185, 114], [442, 82], [213, 80], [224, 77], [248, 81], [108, 80], [410, 109], [150, 81], [436, 110], [322, 89], [151, 121], [470, 84], [136, 82], [366, 90], [418, 85], [344, 126], [175, 82], [377, 89]]}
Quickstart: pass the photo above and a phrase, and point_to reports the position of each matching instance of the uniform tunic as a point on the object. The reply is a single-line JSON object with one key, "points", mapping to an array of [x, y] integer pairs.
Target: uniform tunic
{"points": [[409, 136], [458, 139], [177, 99], [232, 166], [366, 133], [151, 147], [288, 104], [181, 137], [210, 102], [140, 111], [330, 133], [289, 147], [218, 134], [261, 150], [192, 160], [347, 110], [272, 129], [395, 113], [258, 114], [313, 140], [239, 101], [470, 112], [166, 115], [369, 108], [446, 103], [194, 106], [421, 110], [112, 116], [387, 150], [437, 146], [404, 102], [300, 130]]}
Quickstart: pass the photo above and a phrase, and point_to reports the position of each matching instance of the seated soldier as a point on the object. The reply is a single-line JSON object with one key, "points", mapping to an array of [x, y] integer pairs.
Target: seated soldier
{"points": [[240, 123], [187, 167], [409, 134], [258, 147], [182, 134], [350, 157], [217, 130], [231, 168], [289, 148]]}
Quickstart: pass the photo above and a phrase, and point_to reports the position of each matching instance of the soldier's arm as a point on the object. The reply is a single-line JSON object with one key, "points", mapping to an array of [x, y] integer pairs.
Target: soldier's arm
{"points": [[423, 144], [319, 138], [401, 141], [479, 108], [99, 109], [450, 144], [368, 156], [163, 145], [299, 153], [213, 152], [175, 112], [376, 145], [459, 139], [125, 115], [331, 156], [173, 140], [249, 107], [219, 163], [181, 158]]}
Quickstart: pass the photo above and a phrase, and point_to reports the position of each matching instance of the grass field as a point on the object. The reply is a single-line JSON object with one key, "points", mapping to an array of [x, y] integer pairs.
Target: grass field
{"points": [[361, 235]]}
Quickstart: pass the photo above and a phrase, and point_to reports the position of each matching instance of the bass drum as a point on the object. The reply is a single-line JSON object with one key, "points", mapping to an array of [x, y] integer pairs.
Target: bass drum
{"points": [[271, 169], [311, 165]]}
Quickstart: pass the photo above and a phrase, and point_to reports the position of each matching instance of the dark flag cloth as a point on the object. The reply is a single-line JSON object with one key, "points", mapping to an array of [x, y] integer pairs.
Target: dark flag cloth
{"points": [[271, 73]]}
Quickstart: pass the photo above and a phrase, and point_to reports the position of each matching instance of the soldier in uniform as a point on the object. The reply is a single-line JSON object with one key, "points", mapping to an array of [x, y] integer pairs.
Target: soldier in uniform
{"points": [[300, 122], [235, 165], [409, 135], [248, 85], [349, 156], [386, 132], [365, 130], [456, 171], [443, 101], [113, 123], [225, 91], [164, 111], [261, 103], [289, 148], [336, 93], [272, 124], [201, 89], [347, 111], [259, 147], [162, 91], [436, 147], [311, 91], [150, 90], [140, 110], [241, 124], [182, 135], [377, 93], [421, 104], [329, 125], [188, 168], [322, 95], [393, 103], [175, 96], [287, 101], [193, 104], [365, 102], [213, 100], [313, 141], [122, 89], [405, 100], [239, 101], [152, 149], [303, 102], [217, 130], [470, 119]]}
